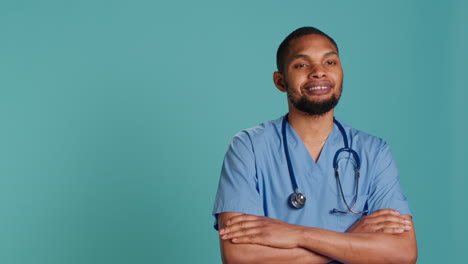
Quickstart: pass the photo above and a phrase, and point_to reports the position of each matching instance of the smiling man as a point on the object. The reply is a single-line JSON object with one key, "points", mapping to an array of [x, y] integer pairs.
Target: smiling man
{"points": [[307, 188]]}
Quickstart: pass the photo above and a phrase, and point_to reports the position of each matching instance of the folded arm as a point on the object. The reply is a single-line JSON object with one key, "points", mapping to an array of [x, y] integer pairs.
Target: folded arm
{"points": [[236, 253], [381, 237], [361, 247]]}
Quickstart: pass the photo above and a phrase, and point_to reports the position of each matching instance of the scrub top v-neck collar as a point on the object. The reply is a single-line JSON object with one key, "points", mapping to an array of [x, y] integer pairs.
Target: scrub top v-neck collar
{"points": [[303, 163]]}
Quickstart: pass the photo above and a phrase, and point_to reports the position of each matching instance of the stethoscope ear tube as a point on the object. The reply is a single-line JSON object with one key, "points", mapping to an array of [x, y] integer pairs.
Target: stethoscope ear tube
{"points": [[350, 208]]}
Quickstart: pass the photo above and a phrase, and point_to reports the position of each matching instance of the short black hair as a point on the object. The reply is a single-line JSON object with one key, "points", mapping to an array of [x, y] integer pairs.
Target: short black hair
{"points": [[303, 31]]}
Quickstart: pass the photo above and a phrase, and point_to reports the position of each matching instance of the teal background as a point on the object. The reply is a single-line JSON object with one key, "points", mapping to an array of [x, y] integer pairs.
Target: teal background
{"points": [[115, 116]]}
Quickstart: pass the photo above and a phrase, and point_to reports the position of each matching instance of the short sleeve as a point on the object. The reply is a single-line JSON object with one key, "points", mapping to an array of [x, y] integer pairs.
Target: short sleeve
{"points": [[238, 184], [386, 192]]}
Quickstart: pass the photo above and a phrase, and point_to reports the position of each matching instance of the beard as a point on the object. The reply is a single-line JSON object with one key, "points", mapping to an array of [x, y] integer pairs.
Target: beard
{"points": [[313, 108]]}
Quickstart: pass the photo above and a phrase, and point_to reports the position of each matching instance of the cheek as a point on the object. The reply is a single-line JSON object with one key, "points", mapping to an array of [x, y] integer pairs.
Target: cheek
{"points": [[294, 81], [338, 79], [292, 87], [338, 75]]}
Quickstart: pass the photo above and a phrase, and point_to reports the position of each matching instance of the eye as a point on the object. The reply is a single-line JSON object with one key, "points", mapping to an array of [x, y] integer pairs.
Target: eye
{"points": [[300, 65], [330, 62]]}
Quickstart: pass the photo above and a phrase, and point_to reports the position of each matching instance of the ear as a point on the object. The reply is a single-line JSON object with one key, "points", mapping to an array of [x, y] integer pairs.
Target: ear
{"points": [[278, 79]]}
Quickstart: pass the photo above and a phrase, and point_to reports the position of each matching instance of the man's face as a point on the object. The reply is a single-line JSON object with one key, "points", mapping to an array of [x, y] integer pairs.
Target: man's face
{"points": [[312, 76]]}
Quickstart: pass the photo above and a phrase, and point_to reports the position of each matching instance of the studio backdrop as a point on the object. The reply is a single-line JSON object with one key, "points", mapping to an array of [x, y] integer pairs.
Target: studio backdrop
{"points": [[115, 117]]}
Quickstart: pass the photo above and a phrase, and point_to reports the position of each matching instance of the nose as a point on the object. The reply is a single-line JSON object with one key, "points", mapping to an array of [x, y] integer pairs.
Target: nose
{"points": [[317, 72]]}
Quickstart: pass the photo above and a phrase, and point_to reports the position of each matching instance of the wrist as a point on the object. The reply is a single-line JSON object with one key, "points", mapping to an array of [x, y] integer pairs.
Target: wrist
{"points": [[300, 236]]}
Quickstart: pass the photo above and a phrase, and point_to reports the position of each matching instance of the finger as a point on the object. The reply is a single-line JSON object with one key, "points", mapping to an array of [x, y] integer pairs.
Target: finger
{"points": [[240, 218], [388, 218], [390, 227], [384, 212], [252, 239], [239, 226], [392, 230], [397, 225], [241, 233]]}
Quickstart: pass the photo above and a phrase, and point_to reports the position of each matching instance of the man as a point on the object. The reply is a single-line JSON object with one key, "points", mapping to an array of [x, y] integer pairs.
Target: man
{"points": [[354, 212]]}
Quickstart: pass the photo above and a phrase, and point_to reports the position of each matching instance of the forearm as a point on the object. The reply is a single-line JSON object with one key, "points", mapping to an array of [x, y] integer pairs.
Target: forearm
{"points": [[397, 243], [233, 253], [252, 254], [361, 247]]}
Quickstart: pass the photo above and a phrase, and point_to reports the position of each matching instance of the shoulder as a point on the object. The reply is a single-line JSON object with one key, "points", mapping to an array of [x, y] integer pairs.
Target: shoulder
{"points": [[249, 144], [362, 140], [265, 131], [373, 151]]}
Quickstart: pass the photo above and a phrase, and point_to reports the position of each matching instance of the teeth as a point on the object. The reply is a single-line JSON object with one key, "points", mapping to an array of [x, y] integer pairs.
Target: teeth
{"points": [[318, 88]]}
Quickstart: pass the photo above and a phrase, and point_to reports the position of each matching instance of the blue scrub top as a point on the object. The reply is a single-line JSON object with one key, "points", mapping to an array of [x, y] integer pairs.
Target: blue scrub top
{"points": [[255, 178]]}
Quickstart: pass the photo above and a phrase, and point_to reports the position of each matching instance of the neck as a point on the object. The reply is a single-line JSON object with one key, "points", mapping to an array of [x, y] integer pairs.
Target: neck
{"points": [[311, 128]]}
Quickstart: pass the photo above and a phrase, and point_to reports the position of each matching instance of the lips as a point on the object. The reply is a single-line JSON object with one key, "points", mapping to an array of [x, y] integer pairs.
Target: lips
{"points": [[317, 88]]}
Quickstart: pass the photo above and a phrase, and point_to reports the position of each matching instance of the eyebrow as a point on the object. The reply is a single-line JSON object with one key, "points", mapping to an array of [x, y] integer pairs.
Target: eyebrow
{"points": [[298, 56]]}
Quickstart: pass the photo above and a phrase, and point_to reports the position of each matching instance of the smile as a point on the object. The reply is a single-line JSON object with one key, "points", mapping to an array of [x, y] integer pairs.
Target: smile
{"points": [[317, 88]]}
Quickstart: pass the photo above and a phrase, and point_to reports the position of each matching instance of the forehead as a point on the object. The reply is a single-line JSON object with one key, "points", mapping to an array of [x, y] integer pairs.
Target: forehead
{"points": [[312, 45]]}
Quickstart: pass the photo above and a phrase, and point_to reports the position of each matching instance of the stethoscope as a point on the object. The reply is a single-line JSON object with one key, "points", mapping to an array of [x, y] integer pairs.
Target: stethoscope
{"points": [[298, 199]]}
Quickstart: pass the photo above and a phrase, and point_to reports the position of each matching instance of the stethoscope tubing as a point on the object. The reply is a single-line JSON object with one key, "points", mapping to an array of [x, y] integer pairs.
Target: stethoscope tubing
{"points": [[288, 158], [299, 203]]}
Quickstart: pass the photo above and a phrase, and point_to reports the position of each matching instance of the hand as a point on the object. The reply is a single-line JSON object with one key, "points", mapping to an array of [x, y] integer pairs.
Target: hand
{"points": [[251, 229], [382, 221]]}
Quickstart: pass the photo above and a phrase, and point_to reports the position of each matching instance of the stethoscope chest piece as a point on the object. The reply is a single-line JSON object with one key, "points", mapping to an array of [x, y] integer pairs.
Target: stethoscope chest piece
{"points": [[297, 200]]}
